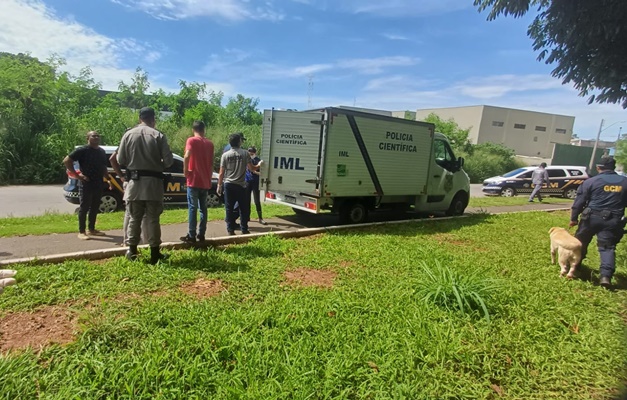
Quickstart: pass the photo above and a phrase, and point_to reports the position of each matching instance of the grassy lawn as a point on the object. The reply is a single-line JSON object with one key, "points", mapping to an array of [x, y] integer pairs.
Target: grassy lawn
{"points": [[496, 201], [468, 308], [67, 223]]}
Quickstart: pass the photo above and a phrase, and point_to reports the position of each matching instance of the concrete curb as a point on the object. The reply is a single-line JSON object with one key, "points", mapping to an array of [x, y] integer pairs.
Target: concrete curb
{"points": [[226, 240]]}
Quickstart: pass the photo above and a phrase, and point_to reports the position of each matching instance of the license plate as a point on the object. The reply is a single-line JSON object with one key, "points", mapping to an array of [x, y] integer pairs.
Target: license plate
{"points": [[290, 199]]}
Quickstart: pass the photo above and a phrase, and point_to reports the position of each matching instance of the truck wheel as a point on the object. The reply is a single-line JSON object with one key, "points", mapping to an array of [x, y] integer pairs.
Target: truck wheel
{"points": [[508, 192], [458, 205], [110, 202], [353, 213], [570, 193]]}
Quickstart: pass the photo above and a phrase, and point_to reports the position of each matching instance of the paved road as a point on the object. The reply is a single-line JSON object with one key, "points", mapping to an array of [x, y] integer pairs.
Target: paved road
{"points": [[22, 201]]}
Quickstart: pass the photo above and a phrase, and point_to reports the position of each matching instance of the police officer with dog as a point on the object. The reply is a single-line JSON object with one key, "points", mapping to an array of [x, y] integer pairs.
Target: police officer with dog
{"points": [[599, 209], [146, 154]]}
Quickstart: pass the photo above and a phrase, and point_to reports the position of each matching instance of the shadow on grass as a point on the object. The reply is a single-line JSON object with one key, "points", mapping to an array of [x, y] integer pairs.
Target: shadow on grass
{"points": [[434, 225], [587, 274]]}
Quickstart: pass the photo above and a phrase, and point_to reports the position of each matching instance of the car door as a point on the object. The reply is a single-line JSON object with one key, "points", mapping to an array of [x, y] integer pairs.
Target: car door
{"points": [[175, 183], [442, 171], [557, 179]]}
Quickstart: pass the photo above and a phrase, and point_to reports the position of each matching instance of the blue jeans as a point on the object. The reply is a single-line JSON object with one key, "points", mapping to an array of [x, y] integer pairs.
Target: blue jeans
{"points": [[197, 199], [234, 193]]}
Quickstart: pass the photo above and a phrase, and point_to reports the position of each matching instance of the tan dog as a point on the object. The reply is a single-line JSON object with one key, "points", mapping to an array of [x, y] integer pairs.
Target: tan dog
{"points": [[569, 249]]}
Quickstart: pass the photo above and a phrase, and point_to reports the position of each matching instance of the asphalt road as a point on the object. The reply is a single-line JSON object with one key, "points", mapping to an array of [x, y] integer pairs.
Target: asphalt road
{"points": [[23, 201], [31, 200]]}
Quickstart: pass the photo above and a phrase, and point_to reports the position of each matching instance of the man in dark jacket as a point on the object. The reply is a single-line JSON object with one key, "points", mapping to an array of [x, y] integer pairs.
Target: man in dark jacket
{"points": [[92, 162], [601, 203]]}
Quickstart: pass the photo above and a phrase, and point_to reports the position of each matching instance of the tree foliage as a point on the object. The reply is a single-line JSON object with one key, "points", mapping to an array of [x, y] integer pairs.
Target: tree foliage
{"points": [[584, 39], [457, 136], [45, 112]]}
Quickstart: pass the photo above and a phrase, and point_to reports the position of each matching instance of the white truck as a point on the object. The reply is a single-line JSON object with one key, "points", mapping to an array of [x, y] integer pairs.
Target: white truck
{"points": [[351, 162]]}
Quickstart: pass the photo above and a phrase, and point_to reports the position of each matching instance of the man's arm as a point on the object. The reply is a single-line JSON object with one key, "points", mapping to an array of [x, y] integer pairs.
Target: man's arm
{"points": [[69, 164], [116, 166], [581, 201], [188, 152], [166, 153], [220, 179]]}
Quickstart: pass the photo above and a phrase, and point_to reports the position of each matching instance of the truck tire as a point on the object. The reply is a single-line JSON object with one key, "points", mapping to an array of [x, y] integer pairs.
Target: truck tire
{"points": [[353, 212], [458, 205]]}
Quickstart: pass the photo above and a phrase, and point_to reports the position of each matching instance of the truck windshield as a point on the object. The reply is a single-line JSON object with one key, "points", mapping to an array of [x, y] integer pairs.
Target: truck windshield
{"points": [[514, 172]]}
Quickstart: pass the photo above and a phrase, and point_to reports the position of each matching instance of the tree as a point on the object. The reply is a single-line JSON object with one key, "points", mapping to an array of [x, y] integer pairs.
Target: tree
{"points": [[585, 39], [450, 128], [135, 95]]}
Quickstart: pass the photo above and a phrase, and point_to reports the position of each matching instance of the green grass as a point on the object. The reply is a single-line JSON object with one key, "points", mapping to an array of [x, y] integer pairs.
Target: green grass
{"points": [[370, 336], [496, 201], [68, 223]]}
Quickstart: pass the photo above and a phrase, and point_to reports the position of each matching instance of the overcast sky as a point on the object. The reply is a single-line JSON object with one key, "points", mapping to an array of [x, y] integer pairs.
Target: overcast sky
{"points": [[394, 54]]}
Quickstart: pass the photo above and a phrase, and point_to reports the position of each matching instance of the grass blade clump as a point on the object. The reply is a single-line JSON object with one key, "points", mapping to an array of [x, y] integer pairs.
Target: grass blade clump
{"points": [[467, 292]]}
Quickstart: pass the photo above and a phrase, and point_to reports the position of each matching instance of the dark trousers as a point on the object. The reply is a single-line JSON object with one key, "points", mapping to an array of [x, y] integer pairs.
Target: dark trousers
{"points": [[252, 187], [234, 193], [609, 232], [89, 194]]}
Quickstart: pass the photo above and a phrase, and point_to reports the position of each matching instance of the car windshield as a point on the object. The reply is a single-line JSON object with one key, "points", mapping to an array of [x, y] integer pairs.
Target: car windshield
{"points": [[514, 172]]}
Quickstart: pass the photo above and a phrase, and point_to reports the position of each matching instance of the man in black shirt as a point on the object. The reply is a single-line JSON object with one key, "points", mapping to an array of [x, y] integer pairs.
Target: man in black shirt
{"points": [[92, 161]]}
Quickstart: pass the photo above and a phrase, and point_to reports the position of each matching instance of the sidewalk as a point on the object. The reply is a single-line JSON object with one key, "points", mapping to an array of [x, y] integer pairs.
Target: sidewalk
{"points": [[20, 247]]}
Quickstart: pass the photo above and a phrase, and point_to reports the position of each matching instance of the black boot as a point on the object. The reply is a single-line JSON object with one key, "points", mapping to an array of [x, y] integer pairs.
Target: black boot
{"points": [[605, 282], [156, 256], [131, 254]]}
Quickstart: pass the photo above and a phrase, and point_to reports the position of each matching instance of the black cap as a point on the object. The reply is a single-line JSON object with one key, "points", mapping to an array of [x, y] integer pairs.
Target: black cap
{"points": [[146, 113], [252, 149], [607, 162], [241, 135]]}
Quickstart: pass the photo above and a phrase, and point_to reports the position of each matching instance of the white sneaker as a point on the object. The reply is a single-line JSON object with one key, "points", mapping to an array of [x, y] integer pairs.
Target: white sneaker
{"points": [[7, 273], [83, 236]]}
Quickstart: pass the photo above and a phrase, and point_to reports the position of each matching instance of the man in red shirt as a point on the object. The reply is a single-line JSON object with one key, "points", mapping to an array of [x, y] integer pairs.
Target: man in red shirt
{"points": [[198, 169]]}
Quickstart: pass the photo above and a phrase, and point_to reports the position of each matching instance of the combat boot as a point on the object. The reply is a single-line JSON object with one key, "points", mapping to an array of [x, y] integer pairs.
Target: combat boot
{"points": [[605, 281], [132, 254], [156, 256]]}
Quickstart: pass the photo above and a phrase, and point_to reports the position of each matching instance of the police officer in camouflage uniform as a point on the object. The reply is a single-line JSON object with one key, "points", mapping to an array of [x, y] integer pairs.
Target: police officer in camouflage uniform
{"points": [[146, 154], [601, 202]]}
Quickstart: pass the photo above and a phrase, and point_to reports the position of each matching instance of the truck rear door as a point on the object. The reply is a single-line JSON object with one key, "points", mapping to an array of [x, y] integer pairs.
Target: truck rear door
{"points": [[291, 152]]}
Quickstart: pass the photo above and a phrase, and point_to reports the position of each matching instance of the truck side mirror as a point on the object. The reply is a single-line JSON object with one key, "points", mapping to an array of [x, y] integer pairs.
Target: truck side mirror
{"points": [[460, 163]]}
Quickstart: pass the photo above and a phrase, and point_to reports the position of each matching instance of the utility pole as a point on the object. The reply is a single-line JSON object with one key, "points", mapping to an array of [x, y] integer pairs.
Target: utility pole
{"points": [[594, 149], [620, 128]]}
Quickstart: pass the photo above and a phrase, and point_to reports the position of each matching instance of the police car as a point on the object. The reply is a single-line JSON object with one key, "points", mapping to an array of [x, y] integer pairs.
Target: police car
{"points": [[563, 181], [175, 186]]}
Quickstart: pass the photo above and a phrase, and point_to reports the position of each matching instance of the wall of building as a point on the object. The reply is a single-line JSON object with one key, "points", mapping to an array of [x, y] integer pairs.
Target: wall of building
{"points": [[465, 117], [528, 133]]}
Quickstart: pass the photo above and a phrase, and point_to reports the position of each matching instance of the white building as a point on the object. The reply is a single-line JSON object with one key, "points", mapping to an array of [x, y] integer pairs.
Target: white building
{"points": [[528, 133]]}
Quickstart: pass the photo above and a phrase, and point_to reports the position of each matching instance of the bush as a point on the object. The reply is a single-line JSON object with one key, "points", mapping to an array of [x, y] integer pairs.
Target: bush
{"points": [[488, 159], [468, 293]]}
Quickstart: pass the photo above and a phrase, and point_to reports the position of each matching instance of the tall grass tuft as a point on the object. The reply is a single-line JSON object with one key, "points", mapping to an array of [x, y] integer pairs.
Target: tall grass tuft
{"points": [[468, 293]]}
